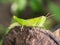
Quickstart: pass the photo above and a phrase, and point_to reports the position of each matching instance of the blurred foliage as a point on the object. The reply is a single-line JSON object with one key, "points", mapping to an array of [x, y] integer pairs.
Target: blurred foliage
{"points": [[36, 5], [6, 1], [1, 42], [3, 31], [20, 6], [55, 10]]}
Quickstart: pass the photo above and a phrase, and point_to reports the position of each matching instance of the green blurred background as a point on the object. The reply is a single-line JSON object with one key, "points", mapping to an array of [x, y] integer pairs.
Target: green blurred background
{"points": [[33, 9]]}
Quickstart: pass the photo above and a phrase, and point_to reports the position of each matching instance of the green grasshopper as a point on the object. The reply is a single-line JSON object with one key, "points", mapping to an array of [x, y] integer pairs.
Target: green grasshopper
{"points": [[39, 21]]}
